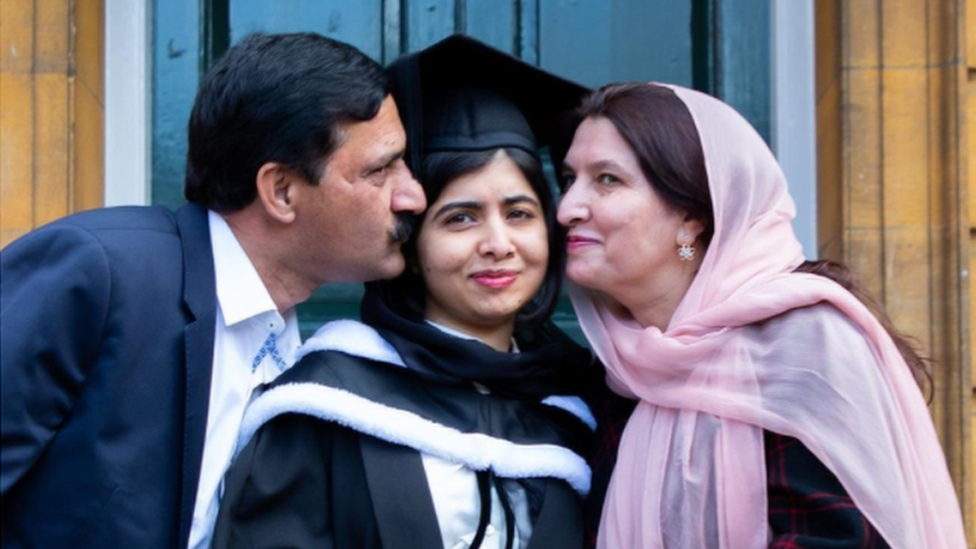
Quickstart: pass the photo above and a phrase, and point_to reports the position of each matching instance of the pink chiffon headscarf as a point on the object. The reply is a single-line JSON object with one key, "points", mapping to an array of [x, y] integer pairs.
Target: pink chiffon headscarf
{"points": [[754, 346]]}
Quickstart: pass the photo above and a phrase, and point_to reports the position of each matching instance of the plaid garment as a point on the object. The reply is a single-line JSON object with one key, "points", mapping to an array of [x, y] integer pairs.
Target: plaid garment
{"points": [[611, 412], [808, 507]]}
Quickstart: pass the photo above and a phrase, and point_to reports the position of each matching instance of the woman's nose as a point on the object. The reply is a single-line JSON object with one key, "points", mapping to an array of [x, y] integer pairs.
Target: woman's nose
{"points": [[572, 209]]}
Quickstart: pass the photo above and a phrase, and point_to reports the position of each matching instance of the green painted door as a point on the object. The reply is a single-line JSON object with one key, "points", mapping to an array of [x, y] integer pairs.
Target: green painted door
{"points": [[713, 45]]}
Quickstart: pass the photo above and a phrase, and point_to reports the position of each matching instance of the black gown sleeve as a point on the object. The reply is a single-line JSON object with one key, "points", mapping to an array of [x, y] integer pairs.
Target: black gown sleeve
{"points": [[808, 506], [277, 491]]}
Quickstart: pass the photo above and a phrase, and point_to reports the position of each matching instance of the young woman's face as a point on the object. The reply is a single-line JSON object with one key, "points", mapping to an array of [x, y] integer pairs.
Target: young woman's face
{"points": [[622, 237], [483, 248]]}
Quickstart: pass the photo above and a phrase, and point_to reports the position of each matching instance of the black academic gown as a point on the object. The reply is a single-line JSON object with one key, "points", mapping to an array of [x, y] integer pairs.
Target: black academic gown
{"points": [[329, 465]]}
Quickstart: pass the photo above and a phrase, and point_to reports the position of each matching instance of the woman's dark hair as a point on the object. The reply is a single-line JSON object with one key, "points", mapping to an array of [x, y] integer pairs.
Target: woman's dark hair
{"points": [[842, 275], [407, 293], [275, 98], [659, 128]]}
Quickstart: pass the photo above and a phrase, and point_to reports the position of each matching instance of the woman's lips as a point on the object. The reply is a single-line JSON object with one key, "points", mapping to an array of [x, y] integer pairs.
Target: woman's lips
{"points": [[495, 279], [575, 242]]}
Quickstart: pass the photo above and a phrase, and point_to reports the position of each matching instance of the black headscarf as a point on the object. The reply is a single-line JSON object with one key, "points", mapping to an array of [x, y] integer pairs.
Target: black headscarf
{"points": [[549, 362]]}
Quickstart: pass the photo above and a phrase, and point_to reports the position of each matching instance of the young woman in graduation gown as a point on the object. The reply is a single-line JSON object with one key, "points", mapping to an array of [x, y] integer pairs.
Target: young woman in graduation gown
{"points": [[453, 414]]}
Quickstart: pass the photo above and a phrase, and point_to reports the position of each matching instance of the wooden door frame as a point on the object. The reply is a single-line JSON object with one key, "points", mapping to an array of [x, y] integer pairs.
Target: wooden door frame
{"points": [[892, 186]]}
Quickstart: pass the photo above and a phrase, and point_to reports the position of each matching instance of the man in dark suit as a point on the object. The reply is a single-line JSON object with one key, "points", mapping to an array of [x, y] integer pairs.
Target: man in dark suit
{"points": [[132, 338]]}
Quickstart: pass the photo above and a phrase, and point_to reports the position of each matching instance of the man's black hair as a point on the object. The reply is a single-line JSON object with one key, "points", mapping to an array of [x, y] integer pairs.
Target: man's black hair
{"points": [[275, 98]]}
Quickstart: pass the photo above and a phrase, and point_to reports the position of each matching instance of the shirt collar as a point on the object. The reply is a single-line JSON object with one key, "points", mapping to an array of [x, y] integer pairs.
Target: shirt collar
{"points": [[240, 291]]}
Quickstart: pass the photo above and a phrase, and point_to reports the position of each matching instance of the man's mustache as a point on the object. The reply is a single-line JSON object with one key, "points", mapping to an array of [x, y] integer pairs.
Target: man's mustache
{"points": [[403, 228]]}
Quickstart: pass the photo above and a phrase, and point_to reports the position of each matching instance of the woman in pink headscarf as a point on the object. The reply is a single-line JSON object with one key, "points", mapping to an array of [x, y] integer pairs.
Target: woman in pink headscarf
{"points": [[774, 408]]}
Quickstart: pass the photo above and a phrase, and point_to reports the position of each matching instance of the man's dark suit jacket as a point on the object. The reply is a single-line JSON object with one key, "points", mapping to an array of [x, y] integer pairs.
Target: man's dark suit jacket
{"points": [[106, 347]]}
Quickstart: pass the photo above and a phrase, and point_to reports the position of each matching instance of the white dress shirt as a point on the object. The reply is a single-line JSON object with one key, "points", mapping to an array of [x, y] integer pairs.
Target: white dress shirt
{"points": [[246, 316], [454, 490]]}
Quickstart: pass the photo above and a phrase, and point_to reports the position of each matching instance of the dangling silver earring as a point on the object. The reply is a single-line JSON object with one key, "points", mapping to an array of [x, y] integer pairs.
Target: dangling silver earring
{"points": [[686, 252]]}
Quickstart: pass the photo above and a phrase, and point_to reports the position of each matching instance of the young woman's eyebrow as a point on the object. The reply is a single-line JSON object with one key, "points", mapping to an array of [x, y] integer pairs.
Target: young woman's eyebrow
{"points": [[458, 205], [519, 198]]}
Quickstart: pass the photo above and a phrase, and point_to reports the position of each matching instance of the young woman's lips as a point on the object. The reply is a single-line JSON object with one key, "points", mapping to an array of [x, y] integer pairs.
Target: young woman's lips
{"points": [[575, 242], [495, 279]]}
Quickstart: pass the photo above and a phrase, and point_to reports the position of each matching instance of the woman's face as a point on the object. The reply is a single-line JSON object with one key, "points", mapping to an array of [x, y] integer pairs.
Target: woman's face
{"points": [[483, 248], [622, 237]]}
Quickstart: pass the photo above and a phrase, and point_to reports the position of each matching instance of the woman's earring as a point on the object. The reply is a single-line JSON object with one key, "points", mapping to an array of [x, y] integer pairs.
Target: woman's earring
{"points": [[686, 252]]}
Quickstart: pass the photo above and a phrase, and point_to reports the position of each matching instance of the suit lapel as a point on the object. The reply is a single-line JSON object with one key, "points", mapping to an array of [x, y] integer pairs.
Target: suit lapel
{"points": [[199, 295], [401, 499]]}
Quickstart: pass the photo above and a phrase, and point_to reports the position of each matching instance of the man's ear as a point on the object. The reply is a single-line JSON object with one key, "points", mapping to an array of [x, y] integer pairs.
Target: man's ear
{"points": [[276, 191]]}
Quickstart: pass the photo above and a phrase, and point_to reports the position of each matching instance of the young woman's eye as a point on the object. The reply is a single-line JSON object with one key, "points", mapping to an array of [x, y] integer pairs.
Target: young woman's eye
{"points": [[521, 214], [458, 218]]}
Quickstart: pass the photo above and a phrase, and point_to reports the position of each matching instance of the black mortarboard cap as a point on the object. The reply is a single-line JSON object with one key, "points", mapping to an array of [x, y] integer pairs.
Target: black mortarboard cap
{"points": [[460, 94]]}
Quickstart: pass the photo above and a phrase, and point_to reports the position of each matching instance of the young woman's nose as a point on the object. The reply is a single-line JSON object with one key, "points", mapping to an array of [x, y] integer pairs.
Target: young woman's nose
{"points": [[497, 241]]}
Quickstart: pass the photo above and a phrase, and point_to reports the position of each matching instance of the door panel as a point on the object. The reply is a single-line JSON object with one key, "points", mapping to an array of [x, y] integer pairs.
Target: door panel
{"points": [[595, 43], [175, 73], [357, 23], [494, 23], [427, 21], [591, 41]]}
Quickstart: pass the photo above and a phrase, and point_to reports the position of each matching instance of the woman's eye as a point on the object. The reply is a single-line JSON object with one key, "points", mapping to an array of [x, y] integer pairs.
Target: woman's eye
{"points": [[567, 180], [607, 179]]}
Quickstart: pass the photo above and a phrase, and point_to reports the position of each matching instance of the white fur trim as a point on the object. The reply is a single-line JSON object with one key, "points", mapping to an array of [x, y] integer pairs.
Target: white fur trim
{"points": [[357, 339], [474, 450], [353, 338], [573, 405]]}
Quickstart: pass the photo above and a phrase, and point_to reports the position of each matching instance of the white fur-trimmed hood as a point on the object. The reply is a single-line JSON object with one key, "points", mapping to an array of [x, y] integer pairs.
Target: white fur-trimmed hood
{"points": [[355, 338], [475, 450]]}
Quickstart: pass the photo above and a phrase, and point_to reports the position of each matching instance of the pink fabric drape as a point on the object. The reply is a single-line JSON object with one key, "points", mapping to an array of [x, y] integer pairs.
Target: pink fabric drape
{"points": [[753, 346]]}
